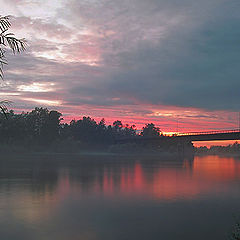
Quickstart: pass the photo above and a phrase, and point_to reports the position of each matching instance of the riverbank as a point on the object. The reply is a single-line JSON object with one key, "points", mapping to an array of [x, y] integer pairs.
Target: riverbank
{"points": [[232, 150], [91, 156], [97, 150]]}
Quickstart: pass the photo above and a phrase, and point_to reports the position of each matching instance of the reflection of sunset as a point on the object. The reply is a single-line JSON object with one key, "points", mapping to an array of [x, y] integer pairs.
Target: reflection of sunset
{"points": [[171, 183], [107, 183], [166, 183], [182, 180], [217, 168]]}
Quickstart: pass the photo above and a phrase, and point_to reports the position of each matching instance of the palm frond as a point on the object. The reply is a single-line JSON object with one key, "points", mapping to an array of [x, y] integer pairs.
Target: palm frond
{"points": [[8, 40], [17, 45], [3, 107], [5, 23]]}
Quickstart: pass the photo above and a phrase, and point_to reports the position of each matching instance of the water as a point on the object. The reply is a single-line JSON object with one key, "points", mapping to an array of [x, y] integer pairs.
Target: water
{"points": [[91, 198]]}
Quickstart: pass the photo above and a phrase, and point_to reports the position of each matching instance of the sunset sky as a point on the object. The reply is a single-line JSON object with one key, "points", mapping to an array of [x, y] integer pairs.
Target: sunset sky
{"points": [[170, 62]]}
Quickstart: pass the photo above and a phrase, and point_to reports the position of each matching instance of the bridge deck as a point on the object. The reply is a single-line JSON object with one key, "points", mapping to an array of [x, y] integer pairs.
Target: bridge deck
{"points": [[210, 136], [192, 136]]}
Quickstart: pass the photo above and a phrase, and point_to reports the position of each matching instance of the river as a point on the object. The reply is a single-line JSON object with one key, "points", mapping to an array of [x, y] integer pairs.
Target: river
{"points": [[69, 197]]}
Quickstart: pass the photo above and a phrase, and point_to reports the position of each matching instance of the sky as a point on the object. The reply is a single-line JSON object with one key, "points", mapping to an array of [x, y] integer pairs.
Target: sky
{"points": [[170, 62]]}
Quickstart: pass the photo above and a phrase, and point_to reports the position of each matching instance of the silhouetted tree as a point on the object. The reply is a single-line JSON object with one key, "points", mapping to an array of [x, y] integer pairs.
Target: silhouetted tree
{"points": [[117, 125], [150, 130], [129, 131], [12, 128], [236, 232], [51, 128], [42, 127], [38, 126], [84, 129], [37, 120]]}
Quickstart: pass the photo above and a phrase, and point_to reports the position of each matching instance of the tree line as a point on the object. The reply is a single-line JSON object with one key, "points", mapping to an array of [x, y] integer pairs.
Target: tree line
{"points": [[231, 148], [42, 127]]}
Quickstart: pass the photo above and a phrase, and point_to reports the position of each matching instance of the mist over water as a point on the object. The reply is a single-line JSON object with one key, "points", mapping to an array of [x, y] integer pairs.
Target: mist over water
{"points": [[115, 197]]}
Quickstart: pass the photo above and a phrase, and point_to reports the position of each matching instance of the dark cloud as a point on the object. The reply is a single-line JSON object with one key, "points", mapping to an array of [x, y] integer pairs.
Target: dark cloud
{"points": [[170, 52]]}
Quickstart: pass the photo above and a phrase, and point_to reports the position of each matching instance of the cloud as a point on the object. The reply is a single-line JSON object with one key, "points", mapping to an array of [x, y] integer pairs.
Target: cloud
{"points": [[129, 56], [41, 28], [165, 53]]}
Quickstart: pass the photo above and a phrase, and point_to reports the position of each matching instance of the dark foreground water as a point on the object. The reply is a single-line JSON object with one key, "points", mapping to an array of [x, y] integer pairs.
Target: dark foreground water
{"points": [[117, 198]]}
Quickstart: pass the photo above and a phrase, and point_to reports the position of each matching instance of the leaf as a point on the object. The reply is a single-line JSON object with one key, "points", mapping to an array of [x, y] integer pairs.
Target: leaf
{"points": [[8, 39]]}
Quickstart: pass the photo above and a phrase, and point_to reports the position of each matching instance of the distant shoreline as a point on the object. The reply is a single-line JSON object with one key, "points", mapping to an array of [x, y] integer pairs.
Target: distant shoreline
{"points": [[95, 152]]}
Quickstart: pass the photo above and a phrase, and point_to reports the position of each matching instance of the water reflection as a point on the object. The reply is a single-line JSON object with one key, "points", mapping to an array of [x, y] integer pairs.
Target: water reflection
{"points": [[40, 193], [153, 178], [217, 168], [160, 180]]}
